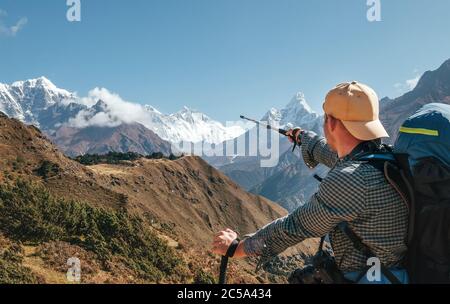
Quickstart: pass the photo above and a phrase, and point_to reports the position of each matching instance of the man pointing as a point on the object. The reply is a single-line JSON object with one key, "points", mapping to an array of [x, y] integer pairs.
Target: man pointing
{"points": [[354, 192]]}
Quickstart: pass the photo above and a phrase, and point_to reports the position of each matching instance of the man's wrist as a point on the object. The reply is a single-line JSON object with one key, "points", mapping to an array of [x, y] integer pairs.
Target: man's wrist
{"points": [[240, 252], [232, 248], [299, 135]]}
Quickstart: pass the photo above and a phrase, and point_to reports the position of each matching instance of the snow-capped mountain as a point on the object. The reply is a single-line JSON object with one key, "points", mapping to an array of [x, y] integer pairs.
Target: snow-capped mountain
{"points": [[26, 100], [279, 183], [41, 103], [186, 125], [297, 113], [191, 125]]}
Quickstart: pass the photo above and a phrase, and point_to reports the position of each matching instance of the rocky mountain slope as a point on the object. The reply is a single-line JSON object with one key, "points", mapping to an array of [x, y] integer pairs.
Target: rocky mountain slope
{"points": [[100, 140], [433, 86]]}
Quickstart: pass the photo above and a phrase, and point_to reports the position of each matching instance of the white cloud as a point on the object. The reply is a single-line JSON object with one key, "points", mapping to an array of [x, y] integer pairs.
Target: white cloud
{"points": [[412, 83], [19, 25], [409, 84], [84, 119], [116, 112], [11, 31]]}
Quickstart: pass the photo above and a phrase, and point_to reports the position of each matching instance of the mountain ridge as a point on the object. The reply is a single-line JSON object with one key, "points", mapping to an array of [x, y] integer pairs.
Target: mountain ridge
{"points": [[433, 86], [43, 104]]}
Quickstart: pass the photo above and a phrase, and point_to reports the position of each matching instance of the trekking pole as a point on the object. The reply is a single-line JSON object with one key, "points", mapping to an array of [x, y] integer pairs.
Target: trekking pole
{"points": [[269, 127], [223, 270]]}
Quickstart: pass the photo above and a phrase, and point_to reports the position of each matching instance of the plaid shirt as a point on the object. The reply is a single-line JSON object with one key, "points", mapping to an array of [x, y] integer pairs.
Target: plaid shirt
{"points": [[353, 192]]}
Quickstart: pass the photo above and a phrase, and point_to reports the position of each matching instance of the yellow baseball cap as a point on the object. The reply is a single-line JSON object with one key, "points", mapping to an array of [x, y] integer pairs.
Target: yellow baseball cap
{"points": [[357, 106]]}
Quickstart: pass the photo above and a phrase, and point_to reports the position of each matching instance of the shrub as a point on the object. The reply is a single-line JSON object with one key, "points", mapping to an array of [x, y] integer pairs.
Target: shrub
{"points": [[109, 158], [28, 213], [47, 169], [11, 270], [202, 277], [118, 157]]}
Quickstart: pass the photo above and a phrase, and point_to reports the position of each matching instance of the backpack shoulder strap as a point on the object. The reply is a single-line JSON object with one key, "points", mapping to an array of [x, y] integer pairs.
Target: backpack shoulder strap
{"points": [[395, 168], [399, 178]]}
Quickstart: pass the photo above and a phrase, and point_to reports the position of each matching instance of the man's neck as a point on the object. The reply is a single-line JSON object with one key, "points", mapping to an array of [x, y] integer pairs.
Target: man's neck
{"points": [[347, 148]]}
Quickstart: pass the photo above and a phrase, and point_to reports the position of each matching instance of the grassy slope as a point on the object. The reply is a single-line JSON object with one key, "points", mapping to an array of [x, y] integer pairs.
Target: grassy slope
{"points": [[182, 202], [29, 215]]}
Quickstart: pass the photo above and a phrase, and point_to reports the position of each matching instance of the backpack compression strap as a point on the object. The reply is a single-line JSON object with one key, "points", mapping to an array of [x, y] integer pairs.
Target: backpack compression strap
{"points": [[359, 245]]}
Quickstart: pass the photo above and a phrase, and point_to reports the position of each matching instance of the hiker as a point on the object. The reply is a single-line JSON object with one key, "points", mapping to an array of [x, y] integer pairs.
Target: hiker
{"points": [[355, 206]]}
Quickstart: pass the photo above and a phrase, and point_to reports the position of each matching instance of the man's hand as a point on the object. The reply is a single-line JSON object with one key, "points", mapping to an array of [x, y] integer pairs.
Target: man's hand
{"points": [[294, 133], [222, 242]]}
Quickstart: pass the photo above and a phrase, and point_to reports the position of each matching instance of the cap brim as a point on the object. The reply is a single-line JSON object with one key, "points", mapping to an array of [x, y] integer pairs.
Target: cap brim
{"points": [[366, 130]]}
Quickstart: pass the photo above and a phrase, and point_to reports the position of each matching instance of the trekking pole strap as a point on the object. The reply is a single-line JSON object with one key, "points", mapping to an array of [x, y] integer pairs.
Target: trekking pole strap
{"points": [[232, 249], [224, 261]]}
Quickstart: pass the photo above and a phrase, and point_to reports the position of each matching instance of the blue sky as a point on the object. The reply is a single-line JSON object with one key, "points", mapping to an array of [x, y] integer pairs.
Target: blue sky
{"points": [[223, 57]]}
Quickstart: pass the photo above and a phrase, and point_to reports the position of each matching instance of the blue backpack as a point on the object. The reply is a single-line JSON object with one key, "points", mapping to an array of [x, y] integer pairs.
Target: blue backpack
{"points": [[418, 167], [423, 153]]}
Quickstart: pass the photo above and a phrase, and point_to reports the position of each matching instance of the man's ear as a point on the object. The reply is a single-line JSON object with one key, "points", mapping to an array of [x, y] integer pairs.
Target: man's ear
{"points": [[333, 122]]}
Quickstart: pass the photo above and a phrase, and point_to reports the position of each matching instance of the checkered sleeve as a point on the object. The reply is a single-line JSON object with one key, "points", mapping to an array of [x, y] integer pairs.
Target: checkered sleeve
{"points": [[341, 197], [315, 150]]}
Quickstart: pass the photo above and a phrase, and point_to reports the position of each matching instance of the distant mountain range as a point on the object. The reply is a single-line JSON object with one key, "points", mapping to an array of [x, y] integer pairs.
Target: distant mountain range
{"points": [[60, 113], [104, 122]]}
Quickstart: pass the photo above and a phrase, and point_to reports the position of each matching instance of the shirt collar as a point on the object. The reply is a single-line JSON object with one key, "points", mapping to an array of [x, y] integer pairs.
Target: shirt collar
{"points": [[363, 148]]}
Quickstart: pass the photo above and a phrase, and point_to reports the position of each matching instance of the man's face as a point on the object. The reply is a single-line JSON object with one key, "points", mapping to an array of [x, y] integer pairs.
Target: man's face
{"points": [[329, 132]]}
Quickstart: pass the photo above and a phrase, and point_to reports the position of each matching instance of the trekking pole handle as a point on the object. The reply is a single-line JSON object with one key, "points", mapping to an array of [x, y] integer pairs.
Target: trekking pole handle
{"points": [[224, 261]]}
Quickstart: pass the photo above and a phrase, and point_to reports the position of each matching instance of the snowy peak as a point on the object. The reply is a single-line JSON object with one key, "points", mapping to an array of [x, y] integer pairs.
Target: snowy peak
{"points": [[273, 115], [40, 82], [26, 100], [100, 106], [151, 109], [296, 113], [191, 116], [194, 126], [298, 103]]}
